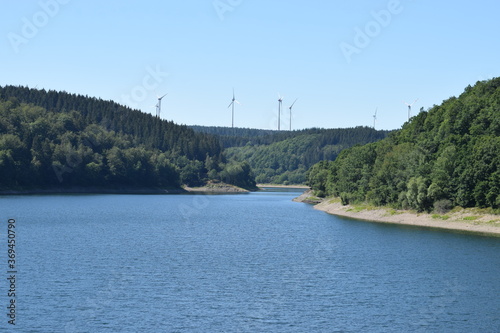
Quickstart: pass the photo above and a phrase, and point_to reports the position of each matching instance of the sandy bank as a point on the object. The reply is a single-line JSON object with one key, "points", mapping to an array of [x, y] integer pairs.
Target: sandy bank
{"points": [[216, 188], [307, 197], [283, 186], [462, 221]]}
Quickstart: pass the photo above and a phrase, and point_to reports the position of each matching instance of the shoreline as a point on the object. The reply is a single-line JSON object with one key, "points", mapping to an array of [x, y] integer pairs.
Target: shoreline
{"points": [[209, 188], [305, 187], [465, 221], [216, 188], [93, 190]]}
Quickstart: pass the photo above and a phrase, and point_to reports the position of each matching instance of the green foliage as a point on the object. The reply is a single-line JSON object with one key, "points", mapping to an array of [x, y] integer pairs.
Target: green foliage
{"points": [[471, 218], [239, 174], [318, 176], [440, 217], [285, 157], [445, 157], [55, 139]]}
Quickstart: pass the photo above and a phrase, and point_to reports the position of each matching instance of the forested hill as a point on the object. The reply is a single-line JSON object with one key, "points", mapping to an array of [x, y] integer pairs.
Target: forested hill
{"points": [[239, 137], [446, 157], [145, 128], [232, 137], [284, 157], [55, 139]]}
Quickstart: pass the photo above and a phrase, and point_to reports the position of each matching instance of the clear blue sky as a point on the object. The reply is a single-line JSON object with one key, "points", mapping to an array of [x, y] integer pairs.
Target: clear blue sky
{"points": [[312, 50]]}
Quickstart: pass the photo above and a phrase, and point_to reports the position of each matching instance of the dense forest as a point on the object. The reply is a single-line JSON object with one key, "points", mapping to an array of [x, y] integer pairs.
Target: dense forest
{"points": [[51, 139], [237, 137], [445, 157], [284, 157]]}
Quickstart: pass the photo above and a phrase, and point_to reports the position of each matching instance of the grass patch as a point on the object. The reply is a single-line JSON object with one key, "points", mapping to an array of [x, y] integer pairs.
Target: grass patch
{"points": [[392, 212], [361, 207], [457, 210], [440, 217], [471, 218], [334, 200], [475, 210]]}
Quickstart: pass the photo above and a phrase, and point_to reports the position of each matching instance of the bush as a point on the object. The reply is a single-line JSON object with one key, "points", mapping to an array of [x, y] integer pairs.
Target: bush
{"points": [[442, 206], [344, 198]]}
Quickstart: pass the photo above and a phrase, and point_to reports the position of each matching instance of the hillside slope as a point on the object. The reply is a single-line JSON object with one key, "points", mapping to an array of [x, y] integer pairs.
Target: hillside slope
{"points": [[448, 156], [55, 139], [284, 157]]}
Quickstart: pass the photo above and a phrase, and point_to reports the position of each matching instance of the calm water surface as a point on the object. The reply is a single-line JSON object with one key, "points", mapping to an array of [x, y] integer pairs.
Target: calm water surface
{"points": [[239, 263]]}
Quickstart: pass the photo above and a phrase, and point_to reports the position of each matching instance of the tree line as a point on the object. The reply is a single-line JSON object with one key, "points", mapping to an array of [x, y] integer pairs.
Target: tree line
{"points": [[284, 157], [55, 139], [447, 156], [239, 137]]}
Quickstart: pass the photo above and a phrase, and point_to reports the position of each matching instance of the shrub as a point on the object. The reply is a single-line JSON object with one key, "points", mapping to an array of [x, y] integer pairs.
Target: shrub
{"points": [[344, 198], [442, 206]]}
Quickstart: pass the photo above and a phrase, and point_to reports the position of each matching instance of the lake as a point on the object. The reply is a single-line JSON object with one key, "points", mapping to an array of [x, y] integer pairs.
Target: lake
{"points": [[253, 262]]}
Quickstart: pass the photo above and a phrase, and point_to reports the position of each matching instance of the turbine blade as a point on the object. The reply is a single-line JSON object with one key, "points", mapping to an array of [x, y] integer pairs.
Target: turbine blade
{"points": [[230, 104]]}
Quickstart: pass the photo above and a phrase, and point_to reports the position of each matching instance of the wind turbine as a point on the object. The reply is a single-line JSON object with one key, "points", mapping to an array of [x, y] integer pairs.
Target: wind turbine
{"points": [[158, 106], [280, 102], [291, 106], [232, 104], [409, 107], [375, 118]]}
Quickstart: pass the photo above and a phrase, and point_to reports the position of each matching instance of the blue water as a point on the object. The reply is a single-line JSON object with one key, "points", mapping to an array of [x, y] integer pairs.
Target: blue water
{"points": [[238, 263]]}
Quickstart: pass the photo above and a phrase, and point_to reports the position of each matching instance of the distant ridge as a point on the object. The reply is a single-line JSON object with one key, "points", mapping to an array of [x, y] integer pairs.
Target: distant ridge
{"points": [[283, 157]]}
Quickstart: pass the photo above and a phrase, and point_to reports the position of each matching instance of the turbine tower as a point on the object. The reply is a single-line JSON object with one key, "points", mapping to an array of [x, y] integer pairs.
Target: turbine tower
{"points": [[409, 107], [291, 106], [375, 118], [232, 104], [158, 106], [280, 102]]}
